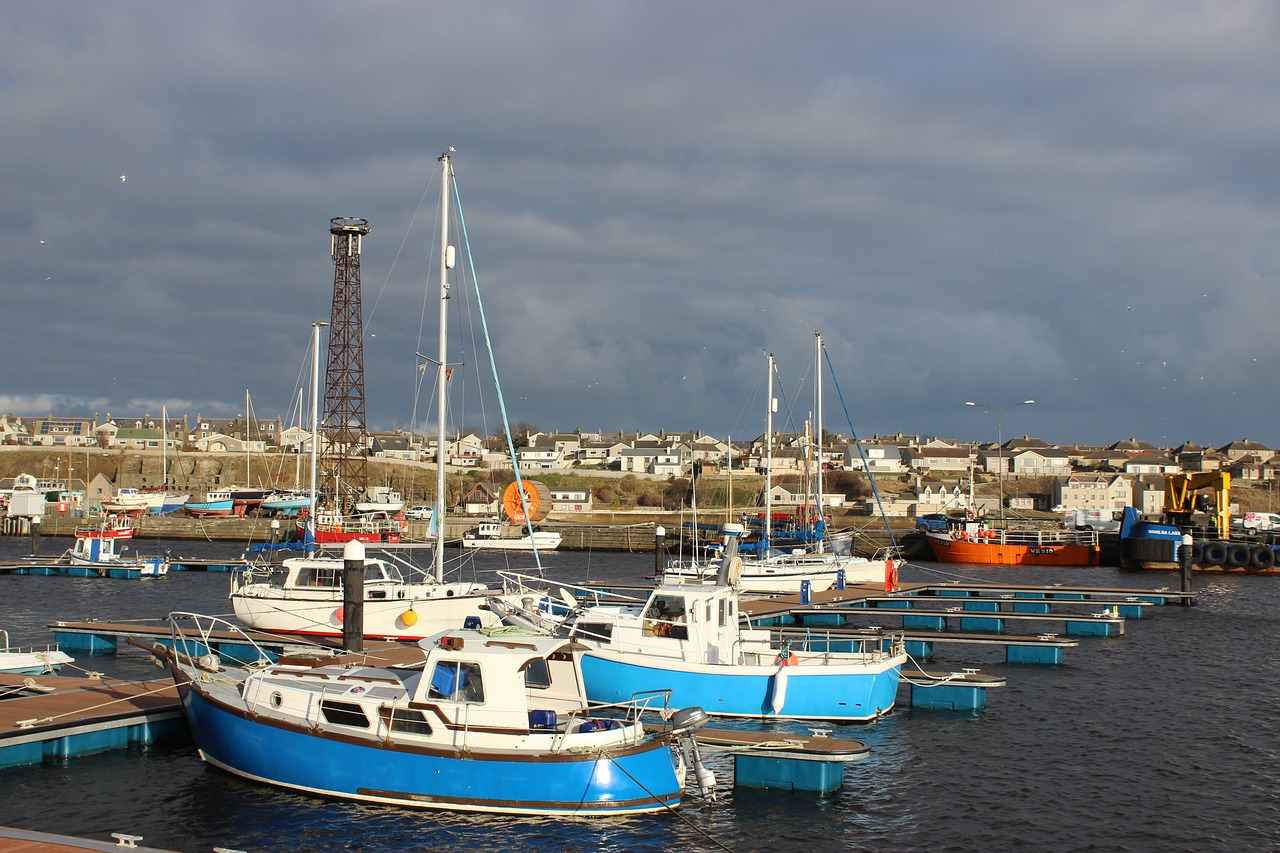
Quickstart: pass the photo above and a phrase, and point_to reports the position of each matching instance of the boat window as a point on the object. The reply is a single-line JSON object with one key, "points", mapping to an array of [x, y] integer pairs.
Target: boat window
{"points": [[319, 576], [460, 682], [410, 722], [344, 713], [662, 614], [724, 613], [373, 571], [536, 673]]}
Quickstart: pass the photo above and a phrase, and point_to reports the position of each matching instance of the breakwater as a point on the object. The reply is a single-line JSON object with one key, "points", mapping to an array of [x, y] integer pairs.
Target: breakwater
{"points": [[610, 532]]}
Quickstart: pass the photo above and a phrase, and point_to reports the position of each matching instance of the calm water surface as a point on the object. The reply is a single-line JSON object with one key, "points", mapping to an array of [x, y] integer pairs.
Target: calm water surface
{"points": [[1166, 738]]}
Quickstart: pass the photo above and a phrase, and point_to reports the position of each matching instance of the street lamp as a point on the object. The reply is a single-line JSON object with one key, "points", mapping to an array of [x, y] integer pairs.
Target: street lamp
{"points": [[1000, 442]]}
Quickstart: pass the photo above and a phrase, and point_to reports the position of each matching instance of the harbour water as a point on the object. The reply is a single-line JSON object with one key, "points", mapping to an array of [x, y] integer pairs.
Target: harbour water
{"points": [[1165, 738]]}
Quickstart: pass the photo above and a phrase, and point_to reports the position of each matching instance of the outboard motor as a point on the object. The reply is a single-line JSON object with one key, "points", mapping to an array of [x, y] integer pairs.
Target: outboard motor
{"points": [[684, 723], [732, 535]]}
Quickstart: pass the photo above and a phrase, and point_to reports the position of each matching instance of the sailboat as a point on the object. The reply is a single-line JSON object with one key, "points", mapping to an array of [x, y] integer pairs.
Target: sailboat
{"points": [[769, 570], [304, 595]]}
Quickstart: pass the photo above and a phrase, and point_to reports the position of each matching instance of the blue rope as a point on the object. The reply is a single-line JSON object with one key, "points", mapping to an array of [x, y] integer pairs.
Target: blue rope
{"points": [[858, 444], [493, 367]]}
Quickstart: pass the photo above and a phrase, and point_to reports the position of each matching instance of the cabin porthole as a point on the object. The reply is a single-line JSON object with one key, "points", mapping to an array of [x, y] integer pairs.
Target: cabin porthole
{"points": [[276, 699]]}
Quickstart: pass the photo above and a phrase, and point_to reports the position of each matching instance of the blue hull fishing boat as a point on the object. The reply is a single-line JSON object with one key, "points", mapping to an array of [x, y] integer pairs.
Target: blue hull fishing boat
{"points": [[483, 722], [686, 638]]}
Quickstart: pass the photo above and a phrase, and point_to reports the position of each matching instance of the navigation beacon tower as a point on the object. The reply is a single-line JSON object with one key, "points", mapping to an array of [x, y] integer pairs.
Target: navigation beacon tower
{"points": [[344, 409]]}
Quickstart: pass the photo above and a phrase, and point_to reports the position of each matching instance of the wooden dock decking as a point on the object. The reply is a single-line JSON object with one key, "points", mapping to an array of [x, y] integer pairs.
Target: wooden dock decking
{"points": [[56, 717]]}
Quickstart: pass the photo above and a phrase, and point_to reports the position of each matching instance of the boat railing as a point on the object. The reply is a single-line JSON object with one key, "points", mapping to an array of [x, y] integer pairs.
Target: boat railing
{"points": [[198, 641], [875, 649], [4, 646], [1036, 536], [519, 585]]}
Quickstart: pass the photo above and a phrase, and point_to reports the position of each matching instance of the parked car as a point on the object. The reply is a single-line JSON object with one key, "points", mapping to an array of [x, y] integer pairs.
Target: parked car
{"points": [[937, 522], [418, 513]]}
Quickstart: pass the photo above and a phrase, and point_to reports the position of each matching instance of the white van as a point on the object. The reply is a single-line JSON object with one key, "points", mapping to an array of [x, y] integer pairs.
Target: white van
{"points": [[1091, 519], [1259, 522]]}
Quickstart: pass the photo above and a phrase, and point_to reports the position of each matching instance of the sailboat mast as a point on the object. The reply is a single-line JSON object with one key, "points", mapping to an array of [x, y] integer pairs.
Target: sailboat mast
{"points": [[248, 431], [315, 417], [768, 463], [446, 263], [164, 451], [817, 391]]}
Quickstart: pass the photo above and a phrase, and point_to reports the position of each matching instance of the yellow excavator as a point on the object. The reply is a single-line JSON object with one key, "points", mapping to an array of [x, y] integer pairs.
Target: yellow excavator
{"points": [[1183, 496]]}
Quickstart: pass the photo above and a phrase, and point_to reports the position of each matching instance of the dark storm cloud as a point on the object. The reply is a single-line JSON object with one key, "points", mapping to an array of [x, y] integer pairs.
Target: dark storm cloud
{"points": [[991, 201]]}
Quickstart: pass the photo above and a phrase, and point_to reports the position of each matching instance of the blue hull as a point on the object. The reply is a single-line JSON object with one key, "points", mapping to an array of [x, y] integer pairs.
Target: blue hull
{"points": [[537, 783], [731, 692]]}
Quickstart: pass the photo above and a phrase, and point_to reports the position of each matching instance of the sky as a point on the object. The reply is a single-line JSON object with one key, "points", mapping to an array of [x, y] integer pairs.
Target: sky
{"points": [[1076, 203]]}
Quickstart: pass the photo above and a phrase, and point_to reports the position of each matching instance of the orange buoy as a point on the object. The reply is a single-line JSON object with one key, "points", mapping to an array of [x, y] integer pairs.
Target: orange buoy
{"points": [[537, 498]]}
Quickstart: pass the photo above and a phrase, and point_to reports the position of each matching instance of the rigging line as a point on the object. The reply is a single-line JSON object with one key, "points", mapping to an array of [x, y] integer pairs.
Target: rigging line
{"points": [[403, 240], [493, 366], [858, 444]]}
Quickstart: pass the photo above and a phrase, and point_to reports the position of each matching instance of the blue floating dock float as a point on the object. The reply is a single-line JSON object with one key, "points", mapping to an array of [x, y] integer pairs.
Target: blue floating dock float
{"points": [[813, 763], [952, 691]]}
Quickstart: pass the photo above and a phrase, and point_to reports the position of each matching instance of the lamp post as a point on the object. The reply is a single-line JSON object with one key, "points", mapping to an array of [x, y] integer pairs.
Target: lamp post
{"points": [[1000, 442]]}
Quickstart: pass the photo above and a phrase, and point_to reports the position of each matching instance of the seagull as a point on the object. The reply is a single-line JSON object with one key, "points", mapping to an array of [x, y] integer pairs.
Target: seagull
{"points": [[41, 242], [122, 177]]}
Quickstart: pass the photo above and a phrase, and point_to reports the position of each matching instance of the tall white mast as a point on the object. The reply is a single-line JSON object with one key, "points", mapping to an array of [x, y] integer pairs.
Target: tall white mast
{"points": [[164, 452], [768, 463], [248, 477], [446, 264], [315, 416], [817, 391]]}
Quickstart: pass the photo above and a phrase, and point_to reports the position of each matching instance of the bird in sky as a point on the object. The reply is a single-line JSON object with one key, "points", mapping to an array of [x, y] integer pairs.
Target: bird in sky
{"points": [[122, 177]]}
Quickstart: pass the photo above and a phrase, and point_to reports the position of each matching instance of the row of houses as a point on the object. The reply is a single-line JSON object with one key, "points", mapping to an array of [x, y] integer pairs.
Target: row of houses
{"points": [[662, 454]]}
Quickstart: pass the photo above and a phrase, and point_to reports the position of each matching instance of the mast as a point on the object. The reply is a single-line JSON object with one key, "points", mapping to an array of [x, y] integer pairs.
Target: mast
{"points": [[248, 478], [768, 465], [315, 418], [446, 263], [819, 525], [164, 452]]}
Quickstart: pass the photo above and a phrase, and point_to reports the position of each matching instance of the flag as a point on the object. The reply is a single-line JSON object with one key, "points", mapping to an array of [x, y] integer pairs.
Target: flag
{"points": [[448, 374]]}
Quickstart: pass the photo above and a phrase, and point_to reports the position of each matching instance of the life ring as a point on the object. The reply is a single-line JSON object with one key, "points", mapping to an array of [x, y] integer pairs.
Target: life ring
{"points": [[1215, 554], [787, 658], [1237, 556], [1262, 557], [890, 575]]}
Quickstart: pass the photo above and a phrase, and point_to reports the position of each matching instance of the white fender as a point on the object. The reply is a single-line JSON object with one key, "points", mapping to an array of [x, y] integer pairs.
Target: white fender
{"points": [[778, 697]]}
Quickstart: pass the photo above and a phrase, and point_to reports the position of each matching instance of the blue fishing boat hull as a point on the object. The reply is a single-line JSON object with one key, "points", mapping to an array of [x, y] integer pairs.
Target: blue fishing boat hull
{"points": [[635, 780], [732, 691]]}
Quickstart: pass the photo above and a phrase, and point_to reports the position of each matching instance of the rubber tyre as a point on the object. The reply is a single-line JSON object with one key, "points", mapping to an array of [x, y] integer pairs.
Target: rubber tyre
{"points": [[1197, 553], [1261, 557], [1237, 556], [1215, 554]]}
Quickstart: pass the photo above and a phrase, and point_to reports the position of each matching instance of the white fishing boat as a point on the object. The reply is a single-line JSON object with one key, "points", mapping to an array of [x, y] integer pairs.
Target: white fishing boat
{"points": [[126, 501], [31, 660], [493, 536], [94, 555], [381, 499], [480, 722], [304, 596]]}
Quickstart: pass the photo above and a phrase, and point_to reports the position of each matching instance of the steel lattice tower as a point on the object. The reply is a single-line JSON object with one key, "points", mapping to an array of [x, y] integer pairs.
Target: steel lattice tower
{"points": [[344, 410]]}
